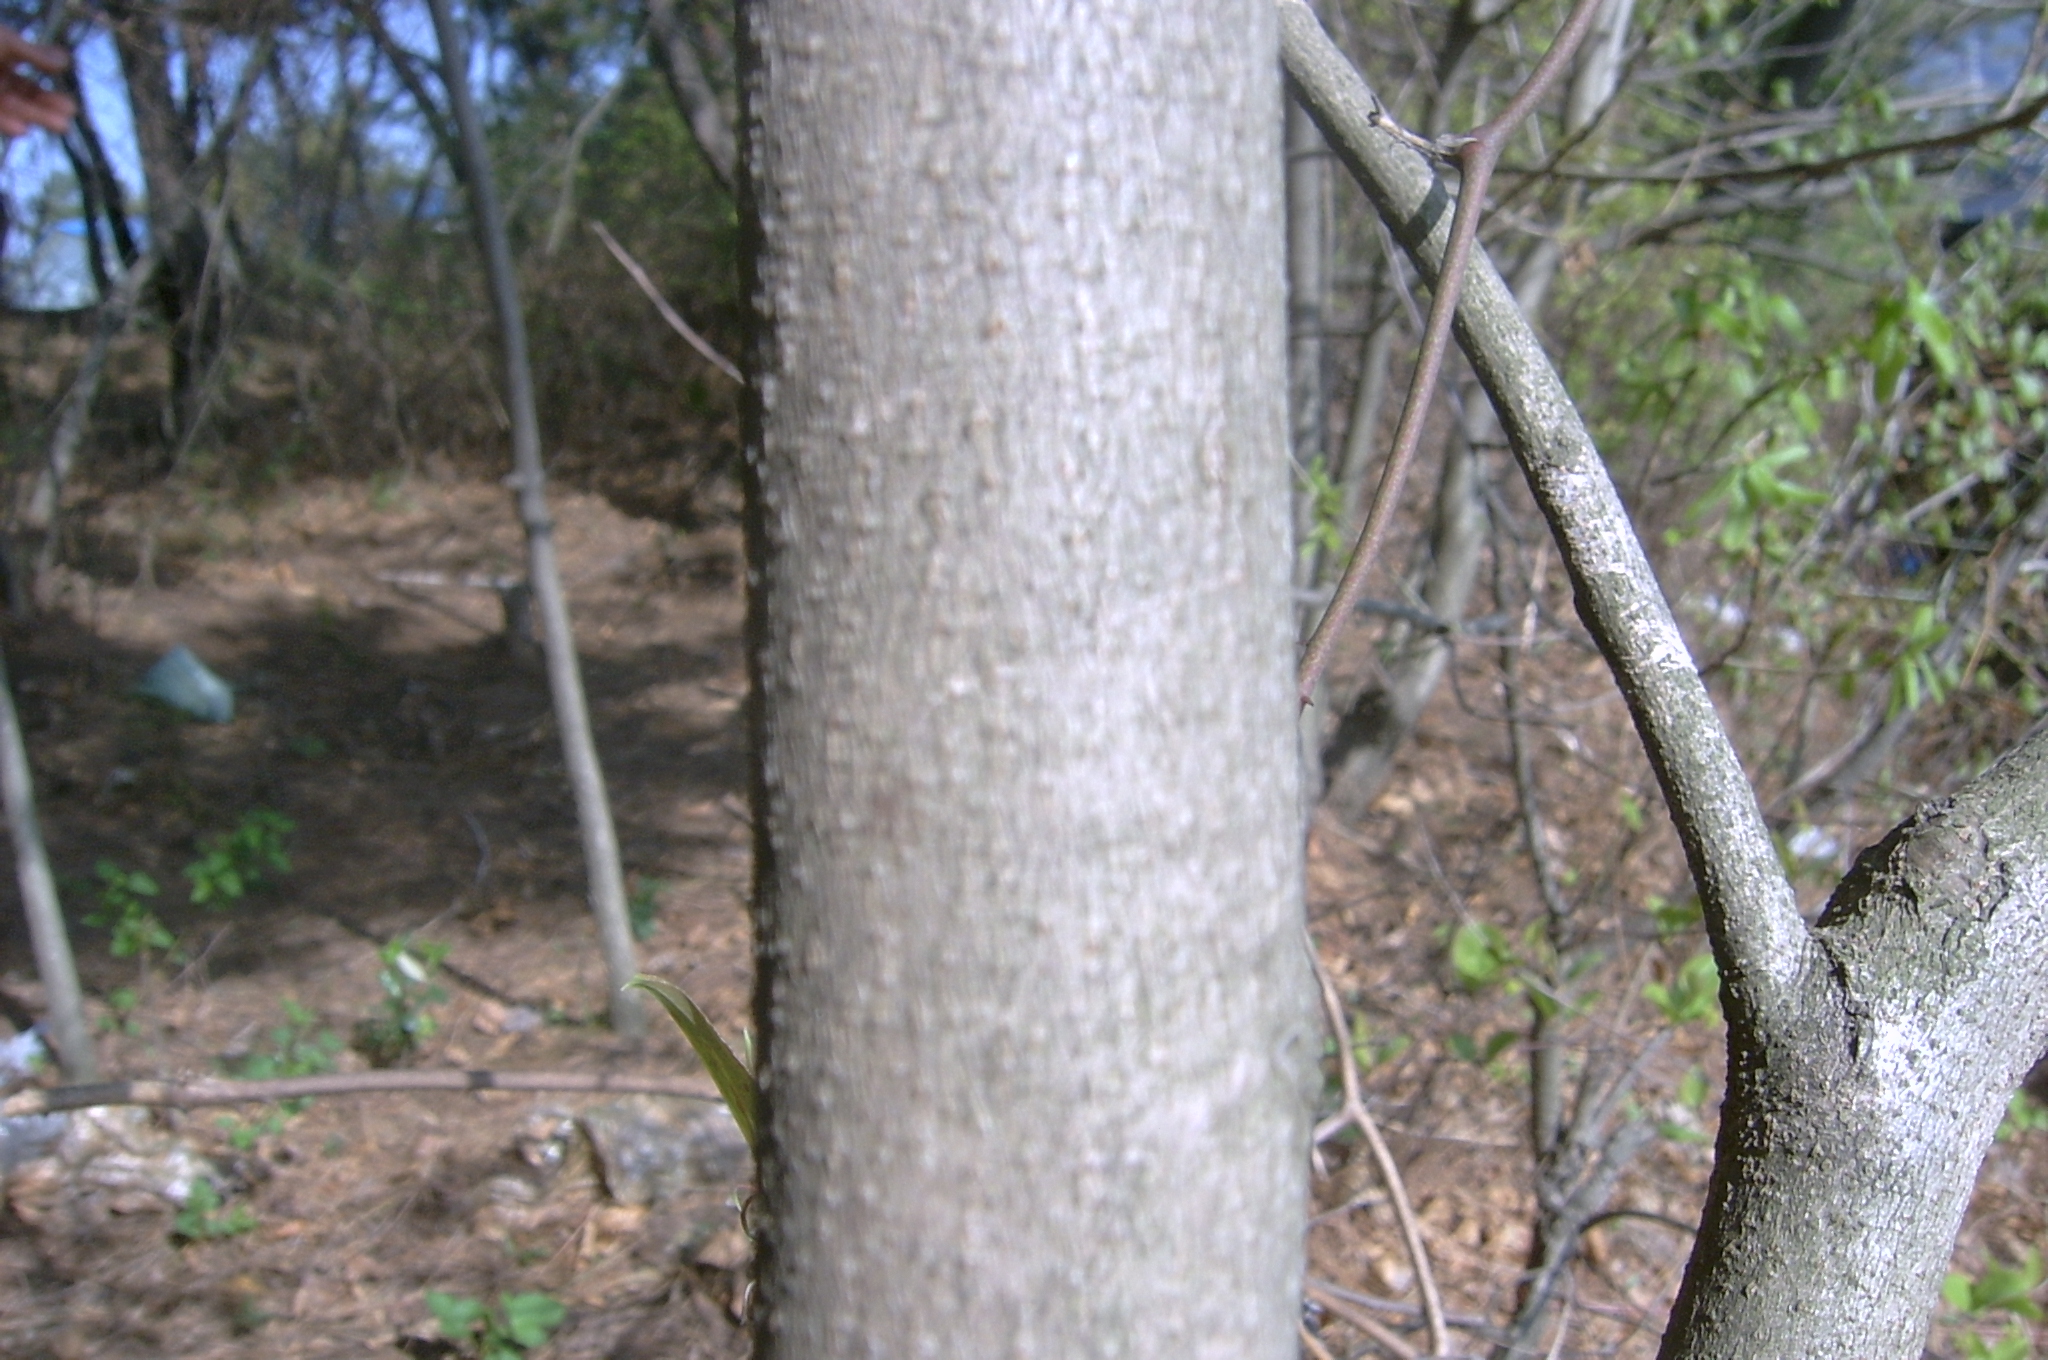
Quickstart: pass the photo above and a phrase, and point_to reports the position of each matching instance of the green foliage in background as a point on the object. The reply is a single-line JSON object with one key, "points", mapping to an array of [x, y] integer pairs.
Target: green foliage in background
{"points": [[506, 1330], [1998, 1288]]}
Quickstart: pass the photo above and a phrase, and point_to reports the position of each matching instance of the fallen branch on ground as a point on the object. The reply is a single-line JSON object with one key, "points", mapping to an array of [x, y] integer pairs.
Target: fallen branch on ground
{"points": [[220, 1091]]}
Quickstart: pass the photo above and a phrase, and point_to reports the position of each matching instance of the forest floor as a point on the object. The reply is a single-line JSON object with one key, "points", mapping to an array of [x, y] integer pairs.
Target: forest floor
{"points": [[384, 711]]}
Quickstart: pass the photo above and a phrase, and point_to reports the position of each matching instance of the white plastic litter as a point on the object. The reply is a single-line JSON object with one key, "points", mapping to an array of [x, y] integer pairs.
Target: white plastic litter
{"points": [[182, 680], [25, 1137]]}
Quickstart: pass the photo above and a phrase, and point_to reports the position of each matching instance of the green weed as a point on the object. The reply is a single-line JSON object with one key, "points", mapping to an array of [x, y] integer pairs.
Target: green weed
{"points": [[230, 865], [206, 1217], [505, 1331], [407, 978]]}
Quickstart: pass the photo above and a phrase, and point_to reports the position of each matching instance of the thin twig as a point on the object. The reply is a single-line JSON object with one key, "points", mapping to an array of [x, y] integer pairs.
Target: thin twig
{"points": [[1380, 1334], [2021, 117], [1477, 155], [1464, 1322], [220, 1091], [1356, 1115], [1312, 1343], [668, 313]]}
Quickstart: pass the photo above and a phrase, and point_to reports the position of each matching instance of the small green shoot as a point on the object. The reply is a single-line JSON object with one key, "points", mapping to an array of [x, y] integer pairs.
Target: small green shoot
{"points": [[1465, 1048], [230, 865], [1629, 808], [517, 1324], [206, 1218], [407, 978], [1370, 1052], [734, 1081], [1674, 918], [122, 1002], [2001, 1288], [244, 1134], [1691, 1097], [1326, 499], [1480, 955], [125, 910], [2012, 1344], [298, 1048]]}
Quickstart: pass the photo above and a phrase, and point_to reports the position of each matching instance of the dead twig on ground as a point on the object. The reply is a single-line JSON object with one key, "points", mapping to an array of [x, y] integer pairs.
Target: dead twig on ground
{"points": [[221, 1091], [1354, 1114], [1378, 1332]]}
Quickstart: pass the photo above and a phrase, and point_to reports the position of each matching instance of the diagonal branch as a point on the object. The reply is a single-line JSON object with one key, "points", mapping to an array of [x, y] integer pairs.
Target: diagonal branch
{"points": [[1762, 945], [668, 313]]}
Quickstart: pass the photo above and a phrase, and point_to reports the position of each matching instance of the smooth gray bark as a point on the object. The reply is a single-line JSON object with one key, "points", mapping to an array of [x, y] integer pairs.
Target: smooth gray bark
{"points": [[558, 638], [69, 1034], [1850, 1140], [1869, 1056], [1036, 1013]]}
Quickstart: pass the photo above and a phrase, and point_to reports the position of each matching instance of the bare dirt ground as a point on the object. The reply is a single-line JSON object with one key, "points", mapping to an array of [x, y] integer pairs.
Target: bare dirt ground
{"points": [[386, 715], [383, 709]]}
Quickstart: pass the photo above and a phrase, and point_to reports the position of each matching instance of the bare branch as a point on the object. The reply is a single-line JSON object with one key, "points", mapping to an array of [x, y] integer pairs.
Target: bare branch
{"points": [[2021, 117], [219, 1091], [1477, 155], [668, 313], [1355, 1115], [1765, 952]]}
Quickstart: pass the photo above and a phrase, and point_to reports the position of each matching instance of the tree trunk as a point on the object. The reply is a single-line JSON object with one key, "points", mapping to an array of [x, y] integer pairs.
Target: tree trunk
{"points": [[558, 639], [1850, 1139], [69, 1035], [1034, 1003]]}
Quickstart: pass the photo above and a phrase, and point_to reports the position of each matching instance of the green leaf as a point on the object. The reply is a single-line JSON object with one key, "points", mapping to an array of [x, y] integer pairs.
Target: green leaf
{"points": [[1630, 809], [457, 1315], [1693, 993], [2014, 1344], [728, 1073], [1692, 1089], [2007, 1287], [1479, 955], [1934, 330], [531, 1318]]}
